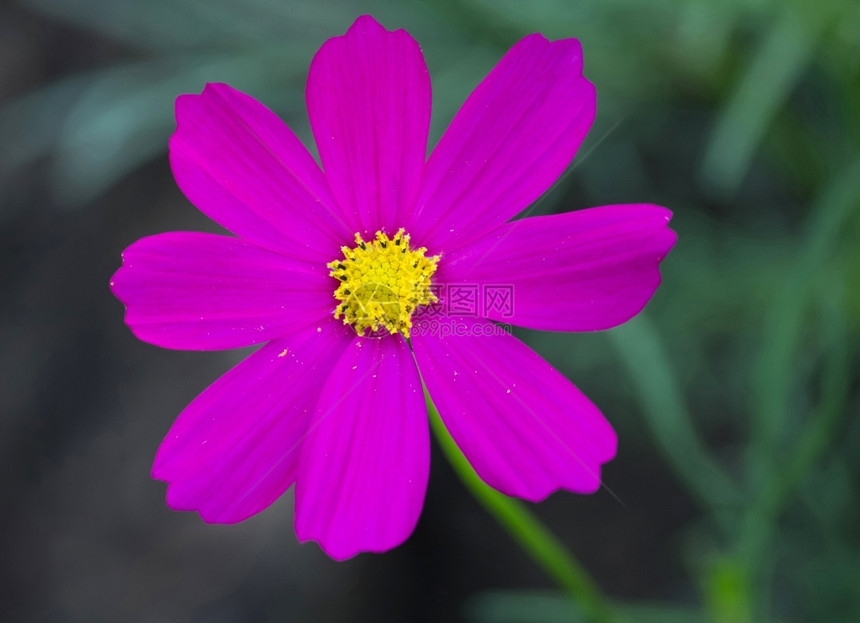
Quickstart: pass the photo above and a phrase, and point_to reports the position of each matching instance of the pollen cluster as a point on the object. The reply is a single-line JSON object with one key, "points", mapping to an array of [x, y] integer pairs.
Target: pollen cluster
{"points": [[382, 282]]}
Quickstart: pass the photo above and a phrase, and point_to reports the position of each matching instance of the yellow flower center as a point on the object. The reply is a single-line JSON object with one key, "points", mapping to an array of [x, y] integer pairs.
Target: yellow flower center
{"points": [[382, 282]]}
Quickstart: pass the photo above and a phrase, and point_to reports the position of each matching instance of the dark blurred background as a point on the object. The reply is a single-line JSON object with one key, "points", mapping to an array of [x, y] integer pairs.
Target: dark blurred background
{"points": [[734, 496]]}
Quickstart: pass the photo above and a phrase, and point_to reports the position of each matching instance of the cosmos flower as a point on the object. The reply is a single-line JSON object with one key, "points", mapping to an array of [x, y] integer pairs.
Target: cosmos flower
{"points": [[352, 275]]}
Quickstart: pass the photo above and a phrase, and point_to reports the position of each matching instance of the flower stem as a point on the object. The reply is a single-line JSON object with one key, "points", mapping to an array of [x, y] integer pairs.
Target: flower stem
{"points": [[537, 541]]}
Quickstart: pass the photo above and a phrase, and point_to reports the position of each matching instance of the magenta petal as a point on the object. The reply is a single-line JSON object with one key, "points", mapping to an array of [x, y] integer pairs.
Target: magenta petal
{"points": [[366, 459], [509, 142], [244, 168], [523, 426], [200, 291], [234, 450], [581, 271], [368, 97]]}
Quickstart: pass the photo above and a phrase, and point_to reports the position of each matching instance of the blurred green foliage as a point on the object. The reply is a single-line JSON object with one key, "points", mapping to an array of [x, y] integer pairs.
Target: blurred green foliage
{"points": [[743, 116]]}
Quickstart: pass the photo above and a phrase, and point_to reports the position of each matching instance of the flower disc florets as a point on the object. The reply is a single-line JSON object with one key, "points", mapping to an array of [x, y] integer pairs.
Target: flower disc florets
{"points": [[382, 283]]}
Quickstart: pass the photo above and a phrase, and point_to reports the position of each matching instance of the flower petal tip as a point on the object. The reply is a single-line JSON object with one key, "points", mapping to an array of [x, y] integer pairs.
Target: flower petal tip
{"points": [[343, 548]]}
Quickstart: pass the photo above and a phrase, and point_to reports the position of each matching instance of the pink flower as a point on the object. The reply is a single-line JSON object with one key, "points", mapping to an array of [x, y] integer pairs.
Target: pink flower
{"points": [[320, 272]]}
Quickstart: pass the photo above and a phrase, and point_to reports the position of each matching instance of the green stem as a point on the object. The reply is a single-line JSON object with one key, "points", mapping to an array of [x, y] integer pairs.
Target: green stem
{"points": [[759, 95], [771, 483], [538, 542], [776, 469]]}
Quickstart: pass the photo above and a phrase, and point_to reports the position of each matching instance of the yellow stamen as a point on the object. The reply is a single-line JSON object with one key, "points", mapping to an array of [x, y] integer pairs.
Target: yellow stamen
{"points": [[382, 282]]}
